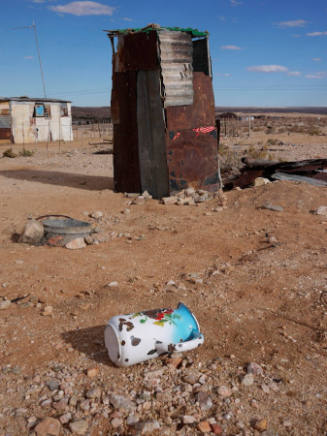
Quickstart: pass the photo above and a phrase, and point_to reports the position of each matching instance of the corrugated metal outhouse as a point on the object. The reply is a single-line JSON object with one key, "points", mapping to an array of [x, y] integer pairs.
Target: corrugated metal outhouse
{"points": [[163, 111]]}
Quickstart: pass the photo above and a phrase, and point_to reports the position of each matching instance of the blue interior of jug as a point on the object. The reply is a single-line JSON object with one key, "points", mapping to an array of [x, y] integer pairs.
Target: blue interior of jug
{"points": [[186, 326]]}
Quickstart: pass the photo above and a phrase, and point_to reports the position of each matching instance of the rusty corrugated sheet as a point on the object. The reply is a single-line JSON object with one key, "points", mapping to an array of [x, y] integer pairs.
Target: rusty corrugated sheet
{"points": [[200, 113], [151, 134], [126, 158], [176, 68]]}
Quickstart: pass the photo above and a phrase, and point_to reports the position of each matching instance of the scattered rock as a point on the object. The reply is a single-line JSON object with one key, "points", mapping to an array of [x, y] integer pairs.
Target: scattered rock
{"points": [[132, 420], [260, 181], [175, 362], [224, 391], [169, 200], [64, 419], [204, 400], [76, 244], [48, 427], [93, 393], [4, 304], [254, 368], [273, 207], [121, 402], [188, 419], [216, 429], [79, 427], [248, 380], [33, 232], [322, 210], [113, 285], [204, 427], [97, 215], [116, 422], [260, 425], [53, 384], [89, 239], [148, 427], [92, 372], [47, 311], [146, 195]]}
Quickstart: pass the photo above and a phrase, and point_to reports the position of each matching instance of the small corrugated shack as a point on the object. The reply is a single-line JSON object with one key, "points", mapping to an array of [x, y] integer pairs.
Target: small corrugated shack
{"points": [[29, 120], [163, 111]]}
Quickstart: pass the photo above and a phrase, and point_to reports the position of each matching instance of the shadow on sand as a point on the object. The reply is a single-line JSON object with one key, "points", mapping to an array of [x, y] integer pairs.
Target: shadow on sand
{"points": [[72, 180], [89, 341]]}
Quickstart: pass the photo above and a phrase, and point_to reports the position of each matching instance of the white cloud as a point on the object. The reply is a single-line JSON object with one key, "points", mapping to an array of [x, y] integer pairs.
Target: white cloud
{"points": [[230, 47], [317, 33], [268, 69], [80, 8], [222, 18], [28, 57], [235, 2], [316, 59], [292, 23], [127, 19], [294, 73], [224, 74], [318, 75]]}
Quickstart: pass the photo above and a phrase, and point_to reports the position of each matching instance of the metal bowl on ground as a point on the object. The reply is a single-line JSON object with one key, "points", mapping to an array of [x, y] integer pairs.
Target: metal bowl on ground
{"points": [[60, 229]]}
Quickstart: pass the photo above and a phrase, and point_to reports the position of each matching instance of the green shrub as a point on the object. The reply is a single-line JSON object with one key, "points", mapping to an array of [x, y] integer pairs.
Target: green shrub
{"points": [[26, 153], [9, 153]]}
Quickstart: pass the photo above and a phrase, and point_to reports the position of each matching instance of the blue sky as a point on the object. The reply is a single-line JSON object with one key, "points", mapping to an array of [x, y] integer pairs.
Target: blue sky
{"points": [[264, 52]]}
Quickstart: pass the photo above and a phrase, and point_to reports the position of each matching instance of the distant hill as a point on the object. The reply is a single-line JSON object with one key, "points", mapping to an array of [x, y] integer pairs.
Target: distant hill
{"points": [[85, 115], [285, 110]]}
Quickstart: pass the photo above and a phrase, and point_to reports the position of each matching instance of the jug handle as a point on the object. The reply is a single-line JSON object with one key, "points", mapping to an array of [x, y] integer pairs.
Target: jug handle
{"points": [[181, 346]]}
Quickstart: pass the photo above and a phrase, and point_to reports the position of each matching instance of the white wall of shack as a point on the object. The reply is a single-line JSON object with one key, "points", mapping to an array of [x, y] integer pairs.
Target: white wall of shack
{"points": [[28, 129]]}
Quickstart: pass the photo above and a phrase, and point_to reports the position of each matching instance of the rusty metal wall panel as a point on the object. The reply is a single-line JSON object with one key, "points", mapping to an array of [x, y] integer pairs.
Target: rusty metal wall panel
{"points": [[126, 159], [5, 133], [200, 113], [138, 51], [176, 68], [201, 57], [192, 160], [151, 134]]}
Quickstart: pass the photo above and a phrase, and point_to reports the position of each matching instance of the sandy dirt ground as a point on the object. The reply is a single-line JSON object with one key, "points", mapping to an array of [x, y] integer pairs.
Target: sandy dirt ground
{"points": [[255, 278]]}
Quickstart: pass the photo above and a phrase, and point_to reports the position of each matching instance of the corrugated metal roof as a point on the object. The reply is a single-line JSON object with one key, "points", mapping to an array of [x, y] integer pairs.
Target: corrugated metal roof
{"points": [[176, 68], [28, 99], [195, 33]]}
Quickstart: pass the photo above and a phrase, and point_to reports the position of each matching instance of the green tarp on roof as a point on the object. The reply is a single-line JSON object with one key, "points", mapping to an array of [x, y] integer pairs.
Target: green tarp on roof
{"points": [[194, 32]]}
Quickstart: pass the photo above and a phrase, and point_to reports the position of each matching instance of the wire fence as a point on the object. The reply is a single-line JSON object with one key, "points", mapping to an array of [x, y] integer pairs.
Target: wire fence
{"points": [[53, 133]]}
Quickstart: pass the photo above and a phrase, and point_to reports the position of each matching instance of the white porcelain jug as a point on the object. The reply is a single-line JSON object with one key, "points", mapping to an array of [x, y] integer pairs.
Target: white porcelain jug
{"points": [[140, 336]]}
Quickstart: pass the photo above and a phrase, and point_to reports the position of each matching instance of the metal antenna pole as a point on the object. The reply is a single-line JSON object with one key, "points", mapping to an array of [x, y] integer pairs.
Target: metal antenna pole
{"points": [[33, 26], [39, 56]]}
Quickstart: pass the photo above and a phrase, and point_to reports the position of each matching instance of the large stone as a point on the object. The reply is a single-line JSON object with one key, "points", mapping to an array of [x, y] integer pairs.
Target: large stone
{"points": [[48, 427], [273, 207], [322, 210], [76, 244], [169, 200], [4, 304], [33, 232], [260, 181], [79, 427], [121, 402]]}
